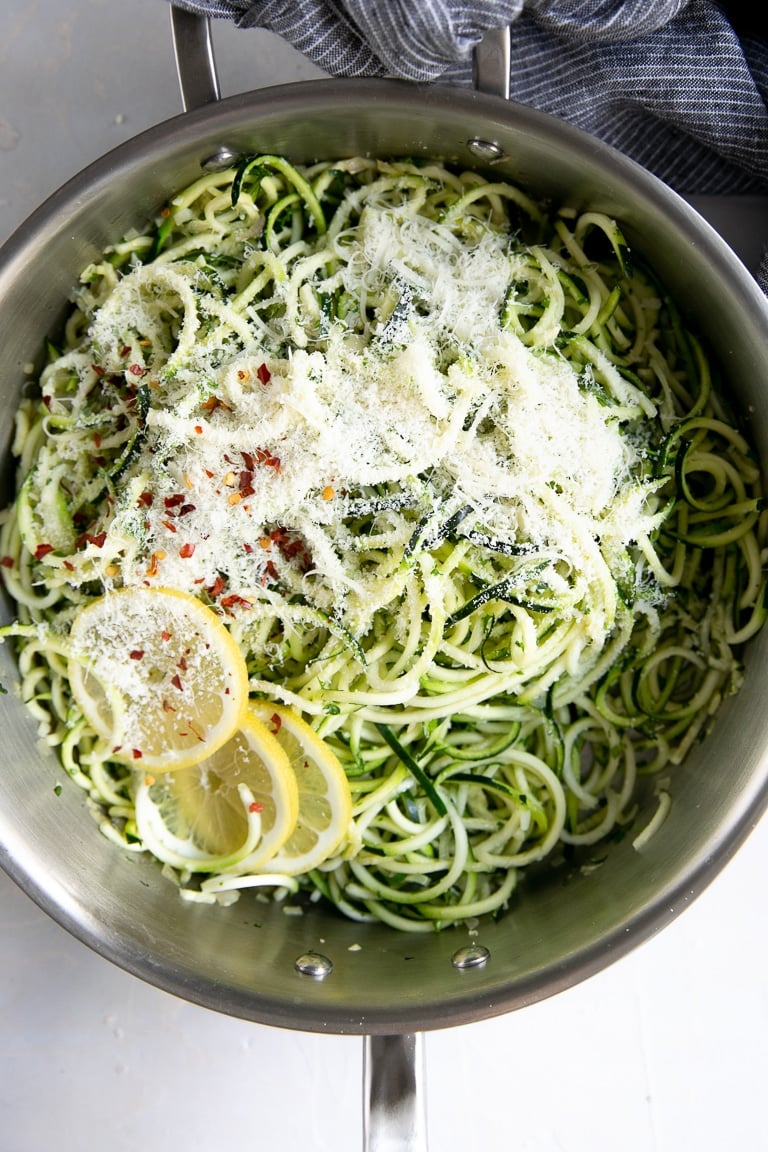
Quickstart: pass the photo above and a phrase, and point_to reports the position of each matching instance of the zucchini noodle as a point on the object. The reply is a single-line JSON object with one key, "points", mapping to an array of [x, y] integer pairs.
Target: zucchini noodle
{"points": [[454, 473]]}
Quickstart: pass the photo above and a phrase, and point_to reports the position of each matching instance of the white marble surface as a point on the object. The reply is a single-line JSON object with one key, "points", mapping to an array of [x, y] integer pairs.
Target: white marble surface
{"points": [[665, 1051]]}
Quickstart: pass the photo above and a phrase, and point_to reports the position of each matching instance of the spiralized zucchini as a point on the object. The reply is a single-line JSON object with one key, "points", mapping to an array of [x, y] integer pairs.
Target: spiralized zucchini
{"points": [[456, 475]]}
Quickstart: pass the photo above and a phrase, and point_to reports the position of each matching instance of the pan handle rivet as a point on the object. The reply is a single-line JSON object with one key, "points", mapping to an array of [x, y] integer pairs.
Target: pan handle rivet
{"points": [[219, 160], [313, 964], [485, 149], [472, 956]]}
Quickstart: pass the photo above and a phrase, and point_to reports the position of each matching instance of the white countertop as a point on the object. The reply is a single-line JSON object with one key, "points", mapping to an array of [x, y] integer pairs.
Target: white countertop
{"points": [[665, 1051]]}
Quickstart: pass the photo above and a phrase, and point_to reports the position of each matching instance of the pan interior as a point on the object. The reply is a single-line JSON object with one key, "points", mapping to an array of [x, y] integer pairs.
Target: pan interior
{"points": [[567, 921]]}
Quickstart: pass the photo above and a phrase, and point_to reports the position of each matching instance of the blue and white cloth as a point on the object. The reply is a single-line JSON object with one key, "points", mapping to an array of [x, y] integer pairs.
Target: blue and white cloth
{"points": [[681, 86]]}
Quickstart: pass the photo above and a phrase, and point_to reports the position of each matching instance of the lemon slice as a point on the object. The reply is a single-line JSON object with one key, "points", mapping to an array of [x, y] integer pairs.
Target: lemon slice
{"points": [[325, 802], [157, 674], [234, 810]]}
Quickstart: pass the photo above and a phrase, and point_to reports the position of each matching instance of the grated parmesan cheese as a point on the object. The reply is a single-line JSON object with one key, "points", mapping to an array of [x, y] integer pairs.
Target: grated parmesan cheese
{"points": [[254, 455]]}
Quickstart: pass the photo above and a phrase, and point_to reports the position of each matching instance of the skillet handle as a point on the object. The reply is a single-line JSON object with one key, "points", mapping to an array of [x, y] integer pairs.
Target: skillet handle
{"points": [[491, 62], [394, 1107], [199, 81], [195, 62]]}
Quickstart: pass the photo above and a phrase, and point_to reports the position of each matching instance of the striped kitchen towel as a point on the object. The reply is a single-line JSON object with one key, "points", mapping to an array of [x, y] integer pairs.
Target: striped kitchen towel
{"points": [[681, 86]]}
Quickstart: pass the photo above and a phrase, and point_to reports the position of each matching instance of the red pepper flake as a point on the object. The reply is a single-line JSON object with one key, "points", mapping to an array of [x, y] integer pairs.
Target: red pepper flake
{"points": [[199, 429], [43, 550], [217, 587], [6, 561], [137, 370], [186, 551], [136, 753], [97, 540], [212, 403], [254, 806], [245, 483], [125, 350], [47, 401], [168, 707], [137, 654], [290, 549], [165, 636], [186, 509], [182, 664], [146, 499], [97, 439], [68, 565], [171, 527], [263, 374], [276, 722], [248, 548], [249, 460], [97, 368], [174, 501], [267, 458], [233, 599], [176, 681], [270, 572]]}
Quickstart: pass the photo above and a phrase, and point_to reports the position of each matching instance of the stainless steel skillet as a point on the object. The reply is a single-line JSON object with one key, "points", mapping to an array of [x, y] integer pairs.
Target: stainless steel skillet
{"points": [[548, 946]]}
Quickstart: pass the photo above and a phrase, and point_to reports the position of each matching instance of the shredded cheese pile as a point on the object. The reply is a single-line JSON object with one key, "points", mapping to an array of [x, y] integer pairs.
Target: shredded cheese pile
{"points": [[263, 470]]}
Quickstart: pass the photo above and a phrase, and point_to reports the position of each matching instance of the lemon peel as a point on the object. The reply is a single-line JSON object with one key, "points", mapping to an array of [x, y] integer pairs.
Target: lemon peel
{"points": [[325, 802], [234, 810]]}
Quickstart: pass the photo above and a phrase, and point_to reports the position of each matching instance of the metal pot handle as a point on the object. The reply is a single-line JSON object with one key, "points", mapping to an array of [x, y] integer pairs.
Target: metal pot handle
{"points": [[195, 61], [491, 63], [199, 81], [394, 1103], [394, 1117]]}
